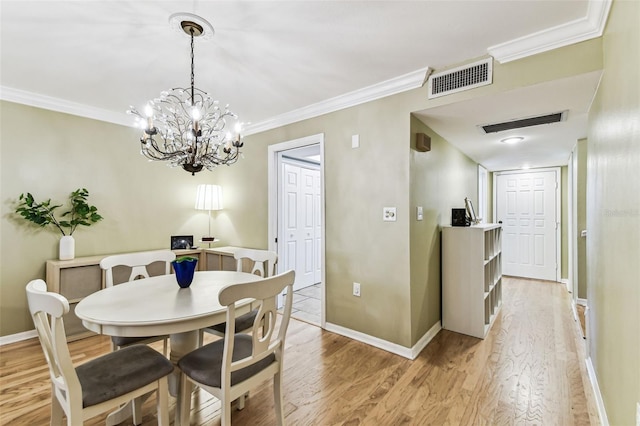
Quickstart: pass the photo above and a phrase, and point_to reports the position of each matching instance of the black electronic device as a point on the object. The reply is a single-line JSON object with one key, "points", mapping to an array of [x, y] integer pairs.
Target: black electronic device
{"points": [[459, 217], [181, 242]]}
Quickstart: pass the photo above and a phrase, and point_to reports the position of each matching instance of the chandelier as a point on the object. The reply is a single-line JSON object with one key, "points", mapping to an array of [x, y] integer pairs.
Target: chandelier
{"points": [[187, 127]]}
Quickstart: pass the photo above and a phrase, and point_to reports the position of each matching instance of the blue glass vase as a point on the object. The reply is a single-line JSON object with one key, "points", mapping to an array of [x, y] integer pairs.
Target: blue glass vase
{"points": [[185, 268]]}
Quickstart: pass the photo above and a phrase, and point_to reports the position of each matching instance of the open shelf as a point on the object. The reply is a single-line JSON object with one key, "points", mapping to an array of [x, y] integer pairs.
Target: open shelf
{"points": [[472, 278]]}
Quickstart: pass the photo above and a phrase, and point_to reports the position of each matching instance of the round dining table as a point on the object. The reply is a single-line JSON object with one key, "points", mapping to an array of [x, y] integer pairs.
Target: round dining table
{"points": [[159, 306]]}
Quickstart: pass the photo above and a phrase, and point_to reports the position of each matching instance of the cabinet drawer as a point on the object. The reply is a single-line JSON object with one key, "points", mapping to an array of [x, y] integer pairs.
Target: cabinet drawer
{"points": [[80, 281]]}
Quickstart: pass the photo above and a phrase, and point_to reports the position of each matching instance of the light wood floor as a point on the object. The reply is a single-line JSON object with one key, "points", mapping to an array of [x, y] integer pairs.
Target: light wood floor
{"points": [[529, 370]]}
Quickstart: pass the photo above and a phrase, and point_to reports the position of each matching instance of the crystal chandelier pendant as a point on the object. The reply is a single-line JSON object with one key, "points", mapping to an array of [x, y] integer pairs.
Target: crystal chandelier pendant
{"points": [[187, 127]]}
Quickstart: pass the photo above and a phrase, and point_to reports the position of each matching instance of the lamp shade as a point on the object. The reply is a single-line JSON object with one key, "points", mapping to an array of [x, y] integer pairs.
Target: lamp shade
{"points": [[209, 197]]}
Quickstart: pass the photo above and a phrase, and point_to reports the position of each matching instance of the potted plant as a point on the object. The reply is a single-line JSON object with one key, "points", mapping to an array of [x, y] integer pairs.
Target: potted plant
{"points": [[44, 214]]}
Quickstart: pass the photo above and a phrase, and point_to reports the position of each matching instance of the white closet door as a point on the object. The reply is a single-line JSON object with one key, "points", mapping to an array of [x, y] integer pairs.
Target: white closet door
{"points": [[301, 223]]}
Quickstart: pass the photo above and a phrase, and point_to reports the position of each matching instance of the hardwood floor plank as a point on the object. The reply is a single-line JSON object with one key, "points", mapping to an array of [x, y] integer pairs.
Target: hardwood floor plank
{"points": [[530, 369]]}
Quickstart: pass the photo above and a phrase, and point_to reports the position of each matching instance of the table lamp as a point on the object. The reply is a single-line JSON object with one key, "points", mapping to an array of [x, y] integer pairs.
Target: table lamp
{"points": [[209, 197]]}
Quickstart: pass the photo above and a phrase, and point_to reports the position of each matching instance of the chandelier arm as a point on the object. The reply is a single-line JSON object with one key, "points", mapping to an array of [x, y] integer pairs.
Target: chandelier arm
{"points": [[163, 155]]}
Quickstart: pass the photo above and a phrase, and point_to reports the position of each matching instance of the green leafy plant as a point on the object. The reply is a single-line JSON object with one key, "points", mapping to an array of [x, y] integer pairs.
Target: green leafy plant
{"points": [[44, 213], [185, 259]]}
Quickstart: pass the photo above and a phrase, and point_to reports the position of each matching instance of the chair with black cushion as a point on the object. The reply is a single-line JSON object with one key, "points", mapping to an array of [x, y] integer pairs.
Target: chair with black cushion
{"points": [[263, 264], [139, 264], [99, 385], [229, 367]]}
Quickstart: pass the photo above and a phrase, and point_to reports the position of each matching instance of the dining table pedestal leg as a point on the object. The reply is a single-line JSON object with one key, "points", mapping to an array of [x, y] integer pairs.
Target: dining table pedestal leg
{"points": [[181, 344]]}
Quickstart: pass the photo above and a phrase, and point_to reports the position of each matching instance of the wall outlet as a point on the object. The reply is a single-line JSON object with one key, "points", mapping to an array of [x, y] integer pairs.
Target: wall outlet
{"points": [[389, 214], [356, 289]]}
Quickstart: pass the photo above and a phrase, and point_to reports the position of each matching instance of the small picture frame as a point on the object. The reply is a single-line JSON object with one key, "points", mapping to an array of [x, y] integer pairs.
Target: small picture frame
{"points": [[470, 212], [181, 242]]}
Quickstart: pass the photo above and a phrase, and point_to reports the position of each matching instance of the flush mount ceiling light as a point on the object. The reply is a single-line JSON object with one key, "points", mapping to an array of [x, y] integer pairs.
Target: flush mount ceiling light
{"points": [[187, 127], [512, 140]]}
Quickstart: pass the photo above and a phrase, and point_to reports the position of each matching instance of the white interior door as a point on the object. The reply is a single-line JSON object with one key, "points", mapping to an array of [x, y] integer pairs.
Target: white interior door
{"points": [[527, 206], [301, 222]]}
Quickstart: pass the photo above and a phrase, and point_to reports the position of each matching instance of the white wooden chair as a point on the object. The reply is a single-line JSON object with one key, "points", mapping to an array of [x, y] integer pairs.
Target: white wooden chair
{"points": [[99, 385], [264, 265], [229, 367], [139, 263]]}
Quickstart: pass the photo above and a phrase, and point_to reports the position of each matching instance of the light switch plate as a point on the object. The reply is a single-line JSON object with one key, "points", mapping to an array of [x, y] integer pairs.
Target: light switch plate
{"points": [[355, 141], [389, 214], [356, 289], [419, 213]]}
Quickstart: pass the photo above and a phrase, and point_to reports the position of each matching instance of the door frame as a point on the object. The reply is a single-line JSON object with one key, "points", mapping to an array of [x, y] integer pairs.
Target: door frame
{"points": [[273, 152], [558, 174]]}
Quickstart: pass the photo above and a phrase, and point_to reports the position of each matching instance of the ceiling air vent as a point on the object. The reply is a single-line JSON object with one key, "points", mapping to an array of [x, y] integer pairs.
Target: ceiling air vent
{"points": [[556, 117], [462, 78]]}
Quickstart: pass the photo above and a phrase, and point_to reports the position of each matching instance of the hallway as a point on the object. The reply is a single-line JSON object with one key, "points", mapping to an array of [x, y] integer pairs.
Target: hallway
{"points": [[306, 304]]}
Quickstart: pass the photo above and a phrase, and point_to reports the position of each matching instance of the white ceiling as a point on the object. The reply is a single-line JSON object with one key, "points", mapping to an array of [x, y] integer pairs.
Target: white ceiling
{"points": [[269, 59]]}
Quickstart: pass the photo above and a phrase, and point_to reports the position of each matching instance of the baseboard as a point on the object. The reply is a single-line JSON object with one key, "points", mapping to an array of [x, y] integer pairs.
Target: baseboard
{"points": [[566, 283], [581, 302], [410, 353], [424, 340], [604, 421], [18, 337]]}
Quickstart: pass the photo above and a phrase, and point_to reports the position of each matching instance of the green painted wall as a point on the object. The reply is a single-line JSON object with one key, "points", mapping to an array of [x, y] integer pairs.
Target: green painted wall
{"points": [[440, 180], [613, 218], [359, 182], [581, 216]]}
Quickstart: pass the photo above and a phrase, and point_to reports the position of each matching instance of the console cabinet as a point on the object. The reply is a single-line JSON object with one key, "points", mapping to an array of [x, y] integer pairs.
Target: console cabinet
{"points": [[471, 278], [79, 277]]}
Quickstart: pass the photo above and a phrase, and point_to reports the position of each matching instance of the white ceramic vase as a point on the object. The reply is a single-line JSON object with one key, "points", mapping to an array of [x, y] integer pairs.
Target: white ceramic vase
{"points": [[67, 248]]}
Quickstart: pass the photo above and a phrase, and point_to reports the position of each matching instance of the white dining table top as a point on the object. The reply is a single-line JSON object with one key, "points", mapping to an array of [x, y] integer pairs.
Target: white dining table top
{"points": [[157, 305]]}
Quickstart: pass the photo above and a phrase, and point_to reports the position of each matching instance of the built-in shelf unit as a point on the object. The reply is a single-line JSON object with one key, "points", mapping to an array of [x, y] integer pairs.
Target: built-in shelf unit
{"points": [[471, 278]]}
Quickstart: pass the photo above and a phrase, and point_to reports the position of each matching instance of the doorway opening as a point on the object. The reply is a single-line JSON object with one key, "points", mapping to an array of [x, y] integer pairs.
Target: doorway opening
{"points": [[296, 221]]}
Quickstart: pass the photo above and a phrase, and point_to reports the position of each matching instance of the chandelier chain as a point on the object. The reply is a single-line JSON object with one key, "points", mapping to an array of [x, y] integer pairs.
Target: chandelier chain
{"points": [[193, 66]]}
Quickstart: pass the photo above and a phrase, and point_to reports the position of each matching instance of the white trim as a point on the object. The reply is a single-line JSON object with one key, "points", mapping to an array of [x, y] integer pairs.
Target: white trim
{"points": [[602, 412], [581, 302], [393, 86], [18, 337], [394, 348], [425, 339], [591, 26], [403, 83], [56, 104], [567, 284], [272, 184]]}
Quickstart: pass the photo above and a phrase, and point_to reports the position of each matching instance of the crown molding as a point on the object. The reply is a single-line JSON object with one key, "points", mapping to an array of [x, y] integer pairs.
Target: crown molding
{"points": [[591, 26], [56, 104], [403, 83]]}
